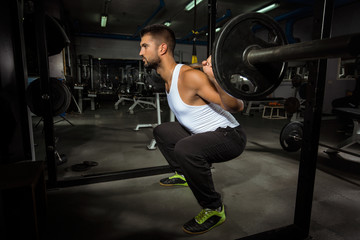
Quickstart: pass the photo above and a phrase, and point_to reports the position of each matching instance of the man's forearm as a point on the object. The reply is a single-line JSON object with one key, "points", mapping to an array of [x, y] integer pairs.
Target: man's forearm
{"points": [[229, 103]]}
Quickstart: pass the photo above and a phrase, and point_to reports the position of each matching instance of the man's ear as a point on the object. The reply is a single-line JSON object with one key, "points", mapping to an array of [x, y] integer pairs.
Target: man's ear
{"points": [[163, 48]]}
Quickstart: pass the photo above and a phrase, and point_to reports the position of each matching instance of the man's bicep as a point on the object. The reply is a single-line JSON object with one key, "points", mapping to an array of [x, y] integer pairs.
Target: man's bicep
{"points": [[209, 93]]}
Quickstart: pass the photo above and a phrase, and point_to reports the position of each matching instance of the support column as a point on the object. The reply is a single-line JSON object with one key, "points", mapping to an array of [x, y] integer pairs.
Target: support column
{"points": [[323, 10], [211, 24]]}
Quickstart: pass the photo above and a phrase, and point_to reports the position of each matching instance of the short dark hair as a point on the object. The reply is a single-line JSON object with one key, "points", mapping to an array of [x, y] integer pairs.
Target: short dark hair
{"points": [[163, 32]]}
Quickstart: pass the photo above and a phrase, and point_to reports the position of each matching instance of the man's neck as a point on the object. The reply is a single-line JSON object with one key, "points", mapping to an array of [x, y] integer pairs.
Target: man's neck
{"points": [[166, 69]]}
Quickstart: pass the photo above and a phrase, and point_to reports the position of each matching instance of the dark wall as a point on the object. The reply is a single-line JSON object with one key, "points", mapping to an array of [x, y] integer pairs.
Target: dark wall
{"points": [[15, 141]]}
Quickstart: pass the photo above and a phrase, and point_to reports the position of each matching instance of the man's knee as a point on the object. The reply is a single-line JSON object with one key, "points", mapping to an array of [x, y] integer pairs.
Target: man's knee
{"points": [[156, 131], [160, 132]]}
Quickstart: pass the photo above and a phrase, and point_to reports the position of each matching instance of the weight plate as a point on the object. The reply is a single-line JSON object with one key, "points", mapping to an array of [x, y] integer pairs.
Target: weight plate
{"points": [[65, 96], [292, 105], [56, 37], [60, 97], [237, 77], [33, 97], [91, 163], [80, 167], [291, 136]]}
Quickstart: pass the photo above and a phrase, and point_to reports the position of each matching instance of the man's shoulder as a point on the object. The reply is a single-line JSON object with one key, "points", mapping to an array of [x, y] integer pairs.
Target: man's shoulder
{"points": [[189, 73], [185, 68]]}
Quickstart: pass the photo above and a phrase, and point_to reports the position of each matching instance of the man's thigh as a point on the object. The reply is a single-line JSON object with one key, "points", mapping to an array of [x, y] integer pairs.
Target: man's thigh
{"points": [[217, 146], [170, 133]]}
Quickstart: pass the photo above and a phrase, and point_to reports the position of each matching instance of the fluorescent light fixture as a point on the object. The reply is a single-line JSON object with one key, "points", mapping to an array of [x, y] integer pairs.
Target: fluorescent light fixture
{"points": [[268, 8], [191, 5], [167, 23], [103, 20]]}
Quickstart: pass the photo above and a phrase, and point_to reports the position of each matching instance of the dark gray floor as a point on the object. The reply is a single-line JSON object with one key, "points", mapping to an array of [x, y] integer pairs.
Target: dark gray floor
{"points": [[258, 188]]}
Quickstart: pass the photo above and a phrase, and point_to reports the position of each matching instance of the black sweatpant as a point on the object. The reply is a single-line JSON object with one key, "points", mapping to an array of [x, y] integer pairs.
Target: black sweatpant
{"points": [[192, 155]]}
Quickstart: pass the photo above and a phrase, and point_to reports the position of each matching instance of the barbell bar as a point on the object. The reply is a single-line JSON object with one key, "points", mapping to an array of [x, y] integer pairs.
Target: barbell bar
{"points": [[343, 46], [250, 54]]}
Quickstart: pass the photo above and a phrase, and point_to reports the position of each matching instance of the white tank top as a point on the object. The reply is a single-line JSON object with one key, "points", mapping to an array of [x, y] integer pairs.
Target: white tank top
{"points": [[197, 119]]}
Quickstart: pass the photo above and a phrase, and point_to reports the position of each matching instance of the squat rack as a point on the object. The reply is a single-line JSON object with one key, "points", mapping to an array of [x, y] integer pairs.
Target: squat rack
{"points": [[323, 10]]}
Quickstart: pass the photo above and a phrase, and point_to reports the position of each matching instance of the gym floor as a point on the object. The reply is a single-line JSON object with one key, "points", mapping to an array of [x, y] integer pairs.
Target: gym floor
{"points": [[258, 187]]}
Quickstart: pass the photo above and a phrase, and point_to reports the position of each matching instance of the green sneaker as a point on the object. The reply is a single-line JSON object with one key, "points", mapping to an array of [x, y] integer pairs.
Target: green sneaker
{"points": [[206, 220], [176, 180]]}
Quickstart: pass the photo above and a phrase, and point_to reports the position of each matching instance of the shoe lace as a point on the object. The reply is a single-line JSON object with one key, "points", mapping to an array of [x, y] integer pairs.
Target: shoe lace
{"points": [[176, 175], [203, 215]]}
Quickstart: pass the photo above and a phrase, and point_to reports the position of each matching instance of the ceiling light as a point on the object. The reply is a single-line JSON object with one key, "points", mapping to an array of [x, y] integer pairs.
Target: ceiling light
{"points": [[268, 8], [103, 20], [216, 30], [167, 23], [191, 5]]}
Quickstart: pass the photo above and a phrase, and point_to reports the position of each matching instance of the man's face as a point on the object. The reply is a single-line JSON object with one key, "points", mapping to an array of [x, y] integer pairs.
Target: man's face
{"points": [[207, 68], [149, 52]]}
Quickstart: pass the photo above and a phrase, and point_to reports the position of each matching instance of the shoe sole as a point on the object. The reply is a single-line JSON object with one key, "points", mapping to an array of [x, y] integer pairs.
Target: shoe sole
{"points": [[171, 185], [196, 233]]}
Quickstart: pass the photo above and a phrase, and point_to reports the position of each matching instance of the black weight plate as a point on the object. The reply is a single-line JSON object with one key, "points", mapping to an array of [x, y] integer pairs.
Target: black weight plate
{"points": [[287, 134], [292, 105], [230, 70], [64, 98], [68, 99], [91, 163], [56, 37], [80, 167], [60, 97], [33, 97]]}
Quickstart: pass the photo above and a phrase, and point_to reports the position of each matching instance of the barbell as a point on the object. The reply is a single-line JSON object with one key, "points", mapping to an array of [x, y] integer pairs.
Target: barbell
{"points": [[291, 136], [250, 54]]}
